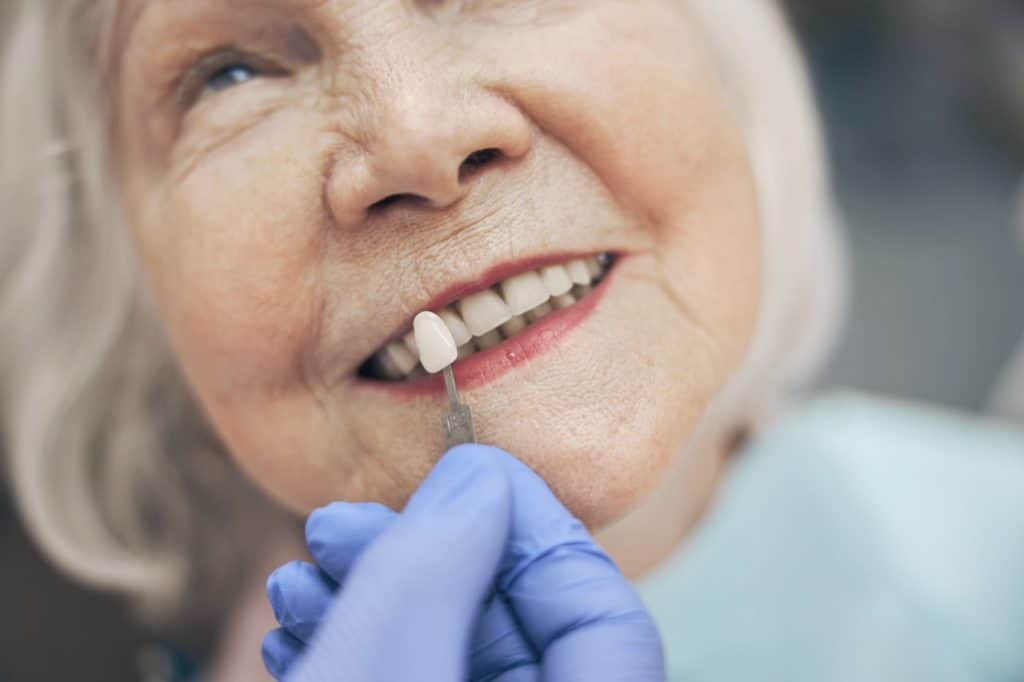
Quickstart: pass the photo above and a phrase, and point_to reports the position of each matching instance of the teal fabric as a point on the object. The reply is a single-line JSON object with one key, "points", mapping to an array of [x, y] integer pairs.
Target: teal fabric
{"points": [[856, 539]]}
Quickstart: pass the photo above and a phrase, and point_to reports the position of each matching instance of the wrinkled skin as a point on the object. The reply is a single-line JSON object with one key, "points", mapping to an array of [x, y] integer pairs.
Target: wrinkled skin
{"points": [[252, 208]]}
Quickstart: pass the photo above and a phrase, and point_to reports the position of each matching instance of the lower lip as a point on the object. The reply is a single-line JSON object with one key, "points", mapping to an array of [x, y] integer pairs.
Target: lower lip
{"points": [[486, 366]]}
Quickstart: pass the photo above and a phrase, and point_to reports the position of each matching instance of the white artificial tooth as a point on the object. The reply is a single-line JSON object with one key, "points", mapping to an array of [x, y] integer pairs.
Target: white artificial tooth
{"points": [[578, 272], [539, 312], [456, 326], [593, 267], [410, 342], [556, 279], [466, 351], [488, 340], [580, 291], [437, 347], [514, 326], [403, 360], [563, 301], [484, 312], [524, 292]]}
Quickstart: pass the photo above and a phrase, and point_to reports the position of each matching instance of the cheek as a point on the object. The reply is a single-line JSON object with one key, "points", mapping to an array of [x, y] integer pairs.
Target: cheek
{"points": [[668, 146], [233, 248]]}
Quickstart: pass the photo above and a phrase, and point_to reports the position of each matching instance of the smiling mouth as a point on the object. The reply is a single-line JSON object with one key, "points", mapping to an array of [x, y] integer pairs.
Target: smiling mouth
{"points": [[486, 318]]}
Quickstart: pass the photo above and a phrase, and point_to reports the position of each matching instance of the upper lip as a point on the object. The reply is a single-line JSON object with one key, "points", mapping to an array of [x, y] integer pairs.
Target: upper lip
{"points": [[485, 280]]}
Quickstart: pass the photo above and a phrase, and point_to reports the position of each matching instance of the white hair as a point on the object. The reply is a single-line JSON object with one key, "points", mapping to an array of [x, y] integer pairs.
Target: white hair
{"points": [[804, 270], [115, 472]]}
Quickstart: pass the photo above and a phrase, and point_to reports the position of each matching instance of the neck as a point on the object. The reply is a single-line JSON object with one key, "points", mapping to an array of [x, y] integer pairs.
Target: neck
{"points": [[649, 534]]}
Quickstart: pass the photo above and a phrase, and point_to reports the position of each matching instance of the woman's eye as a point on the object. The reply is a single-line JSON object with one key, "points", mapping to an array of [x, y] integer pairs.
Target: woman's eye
{"points": [[229, 77]]}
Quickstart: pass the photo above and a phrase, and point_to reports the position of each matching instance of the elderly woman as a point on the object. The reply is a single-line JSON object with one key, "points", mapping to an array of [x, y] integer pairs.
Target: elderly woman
{"points": [[219, 221]]}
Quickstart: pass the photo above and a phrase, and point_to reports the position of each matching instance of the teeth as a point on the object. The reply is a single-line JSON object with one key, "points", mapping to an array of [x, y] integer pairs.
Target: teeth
{"points": [[556, 279], [539, 312], [525, 292], [578, 272], [489, 340], [456, 326], [484, 312], [514, 326], [484, 319], [386, 368], [437, 347], [400, 357], [563, 301], [410, 342]]}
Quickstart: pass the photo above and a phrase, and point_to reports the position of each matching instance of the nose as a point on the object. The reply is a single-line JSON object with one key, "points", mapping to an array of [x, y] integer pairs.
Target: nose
{"points": [[426, 148]]}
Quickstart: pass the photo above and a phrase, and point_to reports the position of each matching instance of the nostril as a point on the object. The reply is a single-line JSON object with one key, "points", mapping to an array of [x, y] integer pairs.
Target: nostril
{"points": [[394, 199], [476, 161], [441, 195]]}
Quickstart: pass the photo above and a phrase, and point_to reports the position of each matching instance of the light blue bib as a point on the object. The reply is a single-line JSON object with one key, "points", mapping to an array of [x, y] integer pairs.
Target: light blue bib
{"points": [[857, 539]]}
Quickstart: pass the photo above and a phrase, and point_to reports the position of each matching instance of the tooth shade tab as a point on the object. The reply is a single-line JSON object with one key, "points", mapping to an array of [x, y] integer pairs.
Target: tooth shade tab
{"points": [[483, 312], [556, 279], [435, 341]]}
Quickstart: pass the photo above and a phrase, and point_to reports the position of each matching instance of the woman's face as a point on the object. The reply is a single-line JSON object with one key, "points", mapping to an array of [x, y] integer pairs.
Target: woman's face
{"points": [[303, 176]]}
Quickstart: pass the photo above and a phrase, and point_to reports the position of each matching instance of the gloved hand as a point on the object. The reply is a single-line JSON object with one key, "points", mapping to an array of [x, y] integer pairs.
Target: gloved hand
{"points": [[484, 576]]}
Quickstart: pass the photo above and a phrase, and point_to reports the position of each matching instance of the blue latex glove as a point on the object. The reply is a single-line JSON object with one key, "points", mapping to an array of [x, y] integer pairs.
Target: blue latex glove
{"points": [[483, 576]]}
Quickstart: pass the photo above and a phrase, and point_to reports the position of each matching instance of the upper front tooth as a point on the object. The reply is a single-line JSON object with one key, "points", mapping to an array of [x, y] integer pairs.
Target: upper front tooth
{"points": [[484, 312], [578, 272], [556, 279], [456, 326], [524, 292]]}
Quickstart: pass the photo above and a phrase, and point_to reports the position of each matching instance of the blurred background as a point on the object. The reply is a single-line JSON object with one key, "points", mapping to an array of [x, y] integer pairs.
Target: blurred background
{"points": [[924, 106]]}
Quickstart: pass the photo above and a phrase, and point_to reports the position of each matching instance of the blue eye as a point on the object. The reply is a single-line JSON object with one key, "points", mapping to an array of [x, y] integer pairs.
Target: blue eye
{"points": [[230, 76]]}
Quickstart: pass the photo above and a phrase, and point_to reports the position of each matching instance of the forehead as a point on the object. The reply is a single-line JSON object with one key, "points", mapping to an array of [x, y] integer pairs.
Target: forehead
{"points": [[129, 9], [124, 15]]}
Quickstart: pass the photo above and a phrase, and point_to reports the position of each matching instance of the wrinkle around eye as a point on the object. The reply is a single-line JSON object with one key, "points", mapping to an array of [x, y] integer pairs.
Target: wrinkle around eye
{"points": [[200, 140]]}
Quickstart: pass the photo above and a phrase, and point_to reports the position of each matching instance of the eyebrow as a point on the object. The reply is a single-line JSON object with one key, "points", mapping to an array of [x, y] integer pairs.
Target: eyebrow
{"points": [[128, 19]]}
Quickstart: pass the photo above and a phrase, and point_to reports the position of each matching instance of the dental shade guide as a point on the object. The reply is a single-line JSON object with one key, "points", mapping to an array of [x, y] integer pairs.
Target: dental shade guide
{"points": [[437, 354]]}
